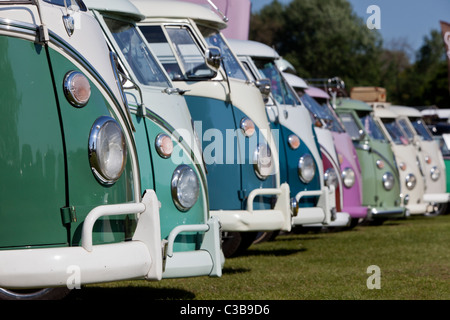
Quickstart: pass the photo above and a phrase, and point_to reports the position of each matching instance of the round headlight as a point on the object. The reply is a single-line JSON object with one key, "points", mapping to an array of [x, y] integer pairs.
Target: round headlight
{"points": [[77, 88], [164, 145], [410, 181], [262, 161], [330, 178], [348, 177], [185, 187], [247, 126], [294, 141], [107, 150], [306, 168], [388, 180], [435, 173]]}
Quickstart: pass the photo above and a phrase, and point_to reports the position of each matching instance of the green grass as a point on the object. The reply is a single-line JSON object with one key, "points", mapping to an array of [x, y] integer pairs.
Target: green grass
{"points": [[413, 256]]}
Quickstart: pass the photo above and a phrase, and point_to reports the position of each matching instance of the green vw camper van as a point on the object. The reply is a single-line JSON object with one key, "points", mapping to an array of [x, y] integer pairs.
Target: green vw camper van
{"points": [[381, 186], [169, 154], [72, 210]]}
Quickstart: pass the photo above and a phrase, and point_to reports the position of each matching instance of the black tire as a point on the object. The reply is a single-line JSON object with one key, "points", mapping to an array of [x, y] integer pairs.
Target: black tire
{"points": [[236, 243], [34, 294], [266, 236]]}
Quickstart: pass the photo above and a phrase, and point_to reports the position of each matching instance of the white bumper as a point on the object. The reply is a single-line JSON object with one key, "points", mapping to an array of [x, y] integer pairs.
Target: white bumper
{"points": [[323, 213], [48, 267], [278, 218], [209, 260], [436, 197]]}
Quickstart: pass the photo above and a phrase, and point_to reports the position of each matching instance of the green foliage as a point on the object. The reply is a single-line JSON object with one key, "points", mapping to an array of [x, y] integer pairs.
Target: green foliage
{"points": [[321, 38], [325, 38]]}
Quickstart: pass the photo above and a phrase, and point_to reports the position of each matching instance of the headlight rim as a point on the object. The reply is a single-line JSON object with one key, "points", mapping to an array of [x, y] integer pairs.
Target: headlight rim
{"points": [[176, 176], [344, 174], [93, 151], [435, 170], [408, 177], [384, 179], [256, 162], [301, 170]]}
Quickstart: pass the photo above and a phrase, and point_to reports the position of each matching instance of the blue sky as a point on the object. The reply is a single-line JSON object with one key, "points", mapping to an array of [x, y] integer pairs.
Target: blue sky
{"points": [[409, 20]]}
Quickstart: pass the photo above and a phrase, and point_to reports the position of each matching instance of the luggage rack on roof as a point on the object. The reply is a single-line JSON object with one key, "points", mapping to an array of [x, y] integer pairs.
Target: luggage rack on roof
{"points": [[335, 86]]}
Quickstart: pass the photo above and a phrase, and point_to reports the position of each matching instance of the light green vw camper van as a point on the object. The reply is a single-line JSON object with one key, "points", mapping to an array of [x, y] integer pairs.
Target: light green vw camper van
{"points": [[169, 154], [381, 185]]}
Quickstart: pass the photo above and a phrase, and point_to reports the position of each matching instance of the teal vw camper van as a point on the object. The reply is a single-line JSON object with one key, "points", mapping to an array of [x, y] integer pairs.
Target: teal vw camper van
{"points": [[312, 188], [238, 146], [380, 178], [72, 210], [169, 154]]}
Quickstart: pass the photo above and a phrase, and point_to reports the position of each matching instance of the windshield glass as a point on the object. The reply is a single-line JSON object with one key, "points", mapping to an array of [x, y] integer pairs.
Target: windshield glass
{"points": [[421, 129], [350, 125], [371, 127], [395, 131], [143, 64], [443, 145], [180, 56], [323, 112], [74, 3], [233, 68], [279, 88]]}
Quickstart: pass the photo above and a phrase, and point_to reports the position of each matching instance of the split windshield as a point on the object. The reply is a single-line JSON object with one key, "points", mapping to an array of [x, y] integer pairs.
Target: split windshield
{"points": [[232, 66], [323, 112], [144, 66], [279, 88], [421, 129], [371, 127], [395, 131], [178, 52]]}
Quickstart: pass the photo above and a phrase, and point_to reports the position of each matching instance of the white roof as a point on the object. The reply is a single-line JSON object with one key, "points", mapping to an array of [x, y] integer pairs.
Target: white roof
{"points": [[121, 7], [406, 111], [252, 49], [295, 81], [179, 10]]}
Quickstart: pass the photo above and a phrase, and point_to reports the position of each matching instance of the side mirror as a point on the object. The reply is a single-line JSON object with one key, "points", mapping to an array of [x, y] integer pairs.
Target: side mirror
{"points": [[264, 87], [213, 58], [362, 134]]}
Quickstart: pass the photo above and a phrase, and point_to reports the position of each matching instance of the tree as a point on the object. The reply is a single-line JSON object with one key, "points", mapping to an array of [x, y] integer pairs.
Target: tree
{"points": [[321, 38]]}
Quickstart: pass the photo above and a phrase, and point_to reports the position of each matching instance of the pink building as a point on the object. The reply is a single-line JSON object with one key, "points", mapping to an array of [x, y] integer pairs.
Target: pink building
{"points": [[237, 12]]}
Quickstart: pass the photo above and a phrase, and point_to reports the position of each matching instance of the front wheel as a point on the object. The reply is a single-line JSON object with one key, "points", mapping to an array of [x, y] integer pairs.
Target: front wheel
{"points": [[34, 294], [235, 243]]}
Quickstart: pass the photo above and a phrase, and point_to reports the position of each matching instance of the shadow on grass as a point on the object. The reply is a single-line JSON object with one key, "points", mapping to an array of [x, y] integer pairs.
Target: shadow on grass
{"points": [[256, 252], [228, 270], [129, 293]]}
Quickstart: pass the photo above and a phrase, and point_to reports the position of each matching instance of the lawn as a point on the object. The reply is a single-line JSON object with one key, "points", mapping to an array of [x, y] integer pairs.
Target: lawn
{"points": [[412, 256]]}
